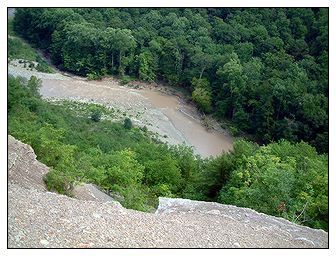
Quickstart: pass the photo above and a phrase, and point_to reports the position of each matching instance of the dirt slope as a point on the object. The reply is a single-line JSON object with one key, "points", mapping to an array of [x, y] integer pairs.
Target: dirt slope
{"points": [[38, 218]]}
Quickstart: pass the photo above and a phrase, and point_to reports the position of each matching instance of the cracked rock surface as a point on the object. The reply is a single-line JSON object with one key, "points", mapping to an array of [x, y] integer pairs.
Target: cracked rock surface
{"points": [[41, 219]]}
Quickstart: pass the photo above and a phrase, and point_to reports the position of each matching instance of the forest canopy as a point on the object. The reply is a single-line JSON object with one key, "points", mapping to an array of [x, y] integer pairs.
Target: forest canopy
{"points": [[263, 69]]}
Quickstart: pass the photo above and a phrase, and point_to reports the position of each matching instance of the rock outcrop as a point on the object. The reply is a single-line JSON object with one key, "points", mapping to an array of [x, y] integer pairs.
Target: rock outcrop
{"points": [[90, 192], [41, 219]]}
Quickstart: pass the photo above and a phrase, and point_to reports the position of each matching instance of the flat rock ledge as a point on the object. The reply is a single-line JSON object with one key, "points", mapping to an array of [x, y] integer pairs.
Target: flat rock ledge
{"points": [[41, 219]]}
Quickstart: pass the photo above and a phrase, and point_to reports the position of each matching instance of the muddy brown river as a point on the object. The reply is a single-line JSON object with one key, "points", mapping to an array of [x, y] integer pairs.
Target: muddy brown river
{"points": [[174, 121], [206, 143]]}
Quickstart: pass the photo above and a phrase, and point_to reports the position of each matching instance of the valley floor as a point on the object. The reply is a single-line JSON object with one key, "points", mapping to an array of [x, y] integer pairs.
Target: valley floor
{"points": [[168, 116]]}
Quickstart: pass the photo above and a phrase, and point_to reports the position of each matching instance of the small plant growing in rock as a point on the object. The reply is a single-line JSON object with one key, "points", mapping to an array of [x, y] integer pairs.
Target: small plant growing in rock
{"points": [[59, 182]]}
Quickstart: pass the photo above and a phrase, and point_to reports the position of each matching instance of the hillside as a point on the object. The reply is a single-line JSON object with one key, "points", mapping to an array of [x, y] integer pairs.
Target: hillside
{"points": [[161, 118], [150, 105], [45, 219], [280, 179], [263, 71]]}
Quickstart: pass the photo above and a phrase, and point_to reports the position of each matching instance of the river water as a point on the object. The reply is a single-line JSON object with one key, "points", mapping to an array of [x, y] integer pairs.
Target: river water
{"points": [[172, 119], [206, 143]]}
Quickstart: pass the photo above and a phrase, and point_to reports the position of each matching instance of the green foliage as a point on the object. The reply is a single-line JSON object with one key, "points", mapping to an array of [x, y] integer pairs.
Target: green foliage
{"points": [[125, 80], [93, 76], [163, 171], [147, 67], [123, 161], [123, 175], [25, 95], [264, 66], [202, 98], [54, 153], [10, 26], [281, 179], [163, 190], [58, 182], [122, 169], [202, 94], [263, 69], [43, 67], [34, 85], [128, 124], [19, 50], [96, 113]]}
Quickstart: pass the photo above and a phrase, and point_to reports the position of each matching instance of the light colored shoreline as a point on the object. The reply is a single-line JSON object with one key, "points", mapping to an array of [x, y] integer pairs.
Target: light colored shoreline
{"points": [[166, 115]]}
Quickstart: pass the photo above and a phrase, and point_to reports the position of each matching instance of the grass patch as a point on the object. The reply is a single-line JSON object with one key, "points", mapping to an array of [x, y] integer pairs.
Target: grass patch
{"points": [[126, 79], [18, 49], [11, 31]]}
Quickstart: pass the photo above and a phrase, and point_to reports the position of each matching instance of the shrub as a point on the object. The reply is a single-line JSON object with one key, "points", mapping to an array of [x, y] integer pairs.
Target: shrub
{"points": [[58, 182], [207, 123], [93, 76], [201, 94], [123, 176], [281, 179], [162, 190], [96, 114], [128, 124], [163, 170], [125, 80], [43, 67], [34, 85], [233, 130], [134, 198], [31, 64], [20, 50]]}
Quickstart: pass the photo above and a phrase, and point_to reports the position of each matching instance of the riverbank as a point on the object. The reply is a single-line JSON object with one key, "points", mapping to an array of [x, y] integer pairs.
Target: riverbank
{"points": [[156, 107]]}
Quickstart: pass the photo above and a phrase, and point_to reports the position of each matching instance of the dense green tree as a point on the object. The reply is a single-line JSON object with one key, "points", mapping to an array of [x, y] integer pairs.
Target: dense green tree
{"points": [[260, 62], [234, 82], [124, 43], [202, 61], [276, 178], [201, 94], [147, 66], [163, 171]]}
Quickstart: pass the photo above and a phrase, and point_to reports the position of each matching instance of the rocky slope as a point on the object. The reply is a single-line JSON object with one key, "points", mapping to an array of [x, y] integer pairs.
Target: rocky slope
{"points": [[38, 218]]}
